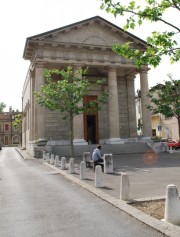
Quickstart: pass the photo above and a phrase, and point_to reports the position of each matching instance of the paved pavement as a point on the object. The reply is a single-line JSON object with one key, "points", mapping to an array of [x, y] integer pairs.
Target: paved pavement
{"points": [[149, 175]]}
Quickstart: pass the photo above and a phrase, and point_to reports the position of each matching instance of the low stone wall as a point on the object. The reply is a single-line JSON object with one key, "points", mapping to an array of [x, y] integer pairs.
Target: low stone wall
{"points": [[159, 147], [38, 151]]}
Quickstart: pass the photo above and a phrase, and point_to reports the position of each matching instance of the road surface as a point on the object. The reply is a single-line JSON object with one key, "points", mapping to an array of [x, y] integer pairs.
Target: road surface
{"points": [[37, 202]]}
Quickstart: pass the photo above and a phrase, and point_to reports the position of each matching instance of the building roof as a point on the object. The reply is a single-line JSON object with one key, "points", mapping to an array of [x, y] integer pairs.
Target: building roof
{"points": [[47, 36]]}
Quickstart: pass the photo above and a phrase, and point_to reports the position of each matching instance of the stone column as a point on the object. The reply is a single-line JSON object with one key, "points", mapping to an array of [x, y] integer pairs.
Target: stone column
{"points": [[32, 88], [131, 107], [78, 121], [39, 112], [146, 115], [114, 129]]}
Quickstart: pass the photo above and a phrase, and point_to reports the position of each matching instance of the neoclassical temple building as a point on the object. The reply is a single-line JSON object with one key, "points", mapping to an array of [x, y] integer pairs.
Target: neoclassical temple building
{"points": [[87, 43]]}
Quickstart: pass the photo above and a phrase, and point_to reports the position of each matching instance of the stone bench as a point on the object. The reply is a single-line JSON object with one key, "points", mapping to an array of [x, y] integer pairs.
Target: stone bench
{"points": [[91, 163]]}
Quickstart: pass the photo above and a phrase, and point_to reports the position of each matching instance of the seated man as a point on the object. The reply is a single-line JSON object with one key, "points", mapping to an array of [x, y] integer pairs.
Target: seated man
{"points": [[96, 156]]}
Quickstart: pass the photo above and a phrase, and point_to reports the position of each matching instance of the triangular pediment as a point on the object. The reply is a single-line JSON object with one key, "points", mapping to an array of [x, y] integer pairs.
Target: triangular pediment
{"points": [[93, 32]]}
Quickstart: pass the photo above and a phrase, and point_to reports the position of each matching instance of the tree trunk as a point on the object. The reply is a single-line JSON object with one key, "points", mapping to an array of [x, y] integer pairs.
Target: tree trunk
{"points": [[71, 135]]}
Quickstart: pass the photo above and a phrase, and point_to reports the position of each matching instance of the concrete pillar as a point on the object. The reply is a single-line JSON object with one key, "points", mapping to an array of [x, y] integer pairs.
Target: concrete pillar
{"points": [[124, 187], [171, 150], [56, 162], [172, 205], [83, 170], [52, 159], [78, 121], [48, 157], [44, 155], [71, 166], [86, 156], [98, 177], [108, 163], [39, 112], [114, 129], [131, 107], [146, 115], [63, 163]]}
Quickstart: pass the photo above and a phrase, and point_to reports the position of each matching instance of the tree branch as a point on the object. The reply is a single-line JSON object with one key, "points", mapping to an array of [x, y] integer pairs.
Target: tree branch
{"points": [[158, 19], [175, 4]]}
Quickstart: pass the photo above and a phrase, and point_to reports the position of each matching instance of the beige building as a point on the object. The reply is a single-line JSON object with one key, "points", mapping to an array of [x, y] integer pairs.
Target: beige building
{"points": [[87, 43], [162, 127]]}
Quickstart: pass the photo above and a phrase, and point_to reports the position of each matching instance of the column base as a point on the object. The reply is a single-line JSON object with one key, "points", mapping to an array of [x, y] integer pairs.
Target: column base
{"points": [[114, 141], [77, 142], [146, 138]]}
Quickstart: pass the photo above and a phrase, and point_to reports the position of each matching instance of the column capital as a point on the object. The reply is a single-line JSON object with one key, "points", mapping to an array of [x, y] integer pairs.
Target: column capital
{"points": [[130, 77], [40, 64], [144, 70], [112, 69], [77, 66]]}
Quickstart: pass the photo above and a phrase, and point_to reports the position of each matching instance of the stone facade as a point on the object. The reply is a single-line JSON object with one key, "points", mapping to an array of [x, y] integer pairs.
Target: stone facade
{"points": [[84, 44], [9, 135]]}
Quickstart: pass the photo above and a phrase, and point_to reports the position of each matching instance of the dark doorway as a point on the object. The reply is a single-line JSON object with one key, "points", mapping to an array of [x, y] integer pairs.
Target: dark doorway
{"points": [[91, 124], [91, 129]]}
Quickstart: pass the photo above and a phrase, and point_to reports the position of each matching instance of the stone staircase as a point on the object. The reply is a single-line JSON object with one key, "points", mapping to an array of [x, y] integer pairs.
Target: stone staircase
{"points": [[115, 149]]}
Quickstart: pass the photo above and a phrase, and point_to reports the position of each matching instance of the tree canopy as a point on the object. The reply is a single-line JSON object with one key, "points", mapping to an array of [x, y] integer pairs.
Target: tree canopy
{"points": [[159, 43], [64, 90], [166, 99], [17, 123], [2, 106]]}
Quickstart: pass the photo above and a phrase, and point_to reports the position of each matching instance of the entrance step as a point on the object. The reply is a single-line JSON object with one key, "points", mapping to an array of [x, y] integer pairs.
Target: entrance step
{"points": [[115, 149]]}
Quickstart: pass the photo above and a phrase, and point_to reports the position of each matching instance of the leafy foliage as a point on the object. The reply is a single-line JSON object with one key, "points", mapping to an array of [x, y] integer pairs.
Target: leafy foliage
{"points": [[64, 91], [158, 43], [17, 122], [2, 106], [166, 99]]}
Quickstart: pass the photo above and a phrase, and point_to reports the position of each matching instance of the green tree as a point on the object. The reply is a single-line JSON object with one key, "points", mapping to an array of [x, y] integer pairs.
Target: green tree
{"points": [[166, 99], [2, 106], [66, 95], [158, 43], [17, 124]]}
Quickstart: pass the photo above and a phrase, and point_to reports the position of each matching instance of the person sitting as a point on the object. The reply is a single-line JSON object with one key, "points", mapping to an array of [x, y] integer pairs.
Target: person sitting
{"points": [[96, 156]]}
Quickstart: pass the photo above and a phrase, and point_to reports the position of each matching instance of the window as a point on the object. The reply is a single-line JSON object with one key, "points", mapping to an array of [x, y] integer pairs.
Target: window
{"points": [[6, 127]]}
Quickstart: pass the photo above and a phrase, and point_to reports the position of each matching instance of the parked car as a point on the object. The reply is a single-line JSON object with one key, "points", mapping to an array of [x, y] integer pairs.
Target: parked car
{"points": [[174, 144]]}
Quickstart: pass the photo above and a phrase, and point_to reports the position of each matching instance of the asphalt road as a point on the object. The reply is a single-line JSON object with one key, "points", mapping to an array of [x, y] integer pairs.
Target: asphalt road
{"points": [[37, 202]]}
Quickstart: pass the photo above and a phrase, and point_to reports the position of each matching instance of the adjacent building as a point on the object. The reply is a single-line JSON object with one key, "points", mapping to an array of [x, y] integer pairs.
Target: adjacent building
{"points": [[87, 43], [162, 126], [9, 136]]}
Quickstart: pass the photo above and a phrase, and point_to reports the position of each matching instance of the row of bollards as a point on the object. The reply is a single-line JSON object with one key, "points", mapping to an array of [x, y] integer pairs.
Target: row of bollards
{"points": [[99, 182], [54, 160], [172, 202]]}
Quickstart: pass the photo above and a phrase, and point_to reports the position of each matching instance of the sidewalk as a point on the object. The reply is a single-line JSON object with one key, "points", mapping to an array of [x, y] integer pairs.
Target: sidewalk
{"points": [[146, 182]]}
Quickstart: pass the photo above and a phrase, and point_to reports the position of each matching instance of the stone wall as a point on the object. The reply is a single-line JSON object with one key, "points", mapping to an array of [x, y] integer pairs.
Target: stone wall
{"points": [[56, 128]]}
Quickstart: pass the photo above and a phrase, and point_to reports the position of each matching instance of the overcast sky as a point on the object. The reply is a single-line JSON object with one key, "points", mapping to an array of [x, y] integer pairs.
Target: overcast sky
{"points": [[22, 18]]}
